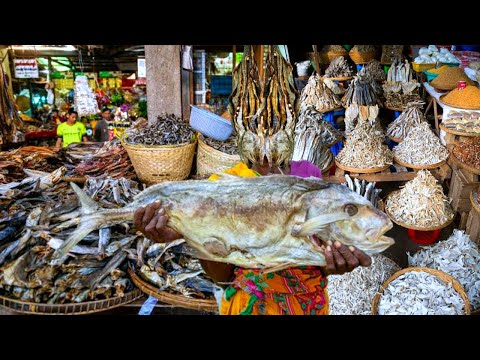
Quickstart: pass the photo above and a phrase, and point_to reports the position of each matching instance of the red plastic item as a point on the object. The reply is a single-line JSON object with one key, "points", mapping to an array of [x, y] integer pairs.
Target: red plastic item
{"points": [[424, 237]]}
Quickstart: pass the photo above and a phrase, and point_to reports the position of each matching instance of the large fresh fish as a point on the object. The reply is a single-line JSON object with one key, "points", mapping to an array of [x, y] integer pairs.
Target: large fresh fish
{"points": [[258, 222]]}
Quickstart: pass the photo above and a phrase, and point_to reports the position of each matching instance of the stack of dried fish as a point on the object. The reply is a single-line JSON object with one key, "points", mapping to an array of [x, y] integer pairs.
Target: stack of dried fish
{"points": [[77, 152], [358, 113], [421, 203], [317, 93], [10, 120], [459, 257], [112, 159], [172, 268], [408, 119], [313, 138], [336, 88], [421, 147], [464, 121], [420, 293], [365, 148], [468, 152], [228, 146], [111, 192], [339, 68], [95, 269], [363, 90], [400, 88], [375, 69], [364, 188], [167, 130], [352, 293]]}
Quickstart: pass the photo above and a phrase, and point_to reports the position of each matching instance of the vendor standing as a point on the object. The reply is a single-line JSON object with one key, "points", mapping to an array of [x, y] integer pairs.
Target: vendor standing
{"points": [[101, 127], [71, 131]]}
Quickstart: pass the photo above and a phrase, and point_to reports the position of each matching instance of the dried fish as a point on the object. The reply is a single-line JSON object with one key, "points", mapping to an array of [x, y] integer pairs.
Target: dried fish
{"points": [[375, 70], [228, 146], [365, 188], [363, 90], [408, 119], [339, 68], [400, 88], [316, 93]]}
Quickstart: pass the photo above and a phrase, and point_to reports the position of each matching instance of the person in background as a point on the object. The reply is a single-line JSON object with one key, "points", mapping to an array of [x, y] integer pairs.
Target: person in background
{"points": [[71, 131], [101, 127], [56, 118]]}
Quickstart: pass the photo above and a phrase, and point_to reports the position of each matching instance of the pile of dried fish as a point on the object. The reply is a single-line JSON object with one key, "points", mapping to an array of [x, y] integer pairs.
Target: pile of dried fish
{"points": [[228, 146], [10, 171], [358, 113], [400, 72], [464, 121], [10, 120], [112, 160], [317, 94], [364, 188], [77, 152], [375, 70], [421, 147], [400, 88], [468, 152], [363, 90], [170, 267], [40, 218], [111, 192], [336, 88], [408, 119], [313, 138], [352, 292], [420, 293], [339, 68], [421, 202], [365, 148], [459, 257], [167, 130]]}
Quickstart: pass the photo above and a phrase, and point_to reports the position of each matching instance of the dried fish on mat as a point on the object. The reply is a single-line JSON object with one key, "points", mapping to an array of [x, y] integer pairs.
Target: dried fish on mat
{"points": [[317, 94], [420, 293], [421, 202], [463, 121], [421, 147], [10, 120], [339, 68], [364, 188], [365, 148], [228, 146], [363, 90], [358, 113], [408, 119], [468, 152], [313, 138], [375, 70], [459, 257], [352, 293], [167, 130]]}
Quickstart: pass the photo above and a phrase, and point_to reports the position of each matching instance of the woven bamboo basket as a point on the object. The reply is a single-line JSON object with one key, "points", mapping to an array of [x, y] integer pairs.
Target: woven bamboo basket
{"points": [[157, 163], [211, 161], [84, 308], [173, 299], [446, 278], [362, 57]]}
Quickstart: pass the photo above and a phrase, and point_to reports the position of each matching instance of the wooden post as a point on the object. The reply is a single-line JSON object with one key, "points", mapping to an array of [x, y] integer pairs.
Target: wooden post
{"points": [[258, 51]]}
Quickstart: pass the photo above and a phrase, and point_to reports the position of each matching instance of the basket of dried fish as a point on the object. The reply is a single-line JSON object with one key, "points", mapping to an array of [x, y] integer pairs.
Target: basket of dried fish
{"points": [[162, 151], [421, 291], [330, 52], [362, 54], [215, 156]]}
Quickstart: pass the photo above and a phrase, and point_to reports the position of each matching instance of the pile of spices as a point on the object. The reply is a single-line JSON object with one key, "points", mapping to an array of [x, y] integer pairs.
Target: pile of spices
{"points": [[440, 70], [468, 97], [468, 152], [448, 79]]}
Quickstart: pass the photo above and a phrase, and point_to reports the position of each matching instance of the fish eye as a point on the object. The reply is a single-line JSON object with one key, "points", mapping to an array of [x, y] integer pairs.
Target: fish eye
{"points": [[351, 209]]}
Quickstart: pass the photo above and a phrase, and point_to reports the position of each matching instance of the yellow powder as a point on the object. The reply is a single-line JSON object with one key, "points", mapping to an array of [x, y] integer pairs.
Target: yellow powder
{"points": [[448, 79], [439, 70], [468, 97]]}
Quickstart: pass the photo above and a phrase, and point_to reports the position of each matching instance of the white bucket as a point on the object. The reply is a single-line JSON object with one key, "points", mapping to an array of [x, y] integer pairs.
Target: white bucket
{"points": [[302, 67]]}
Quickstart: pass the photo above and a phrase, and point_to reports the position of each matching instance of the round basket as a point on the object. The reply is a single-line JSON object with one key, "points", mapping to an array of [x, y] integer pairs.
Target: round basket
{"points": [[83, 308], [172, 299], [457, 132], [327, 57], [157, 163], [440, 275], [362, 57], [413, 227], [463, 165], [419, 167], [361, 171], [442, 99], [211, 161]]}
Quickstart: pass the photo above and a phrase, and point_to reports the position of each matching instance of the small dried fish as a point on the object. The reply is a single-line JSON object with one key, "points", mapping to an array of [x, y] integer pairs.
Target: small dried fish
{"points": [[228, 146], [339, 67], [316, 93], [408, 119]]}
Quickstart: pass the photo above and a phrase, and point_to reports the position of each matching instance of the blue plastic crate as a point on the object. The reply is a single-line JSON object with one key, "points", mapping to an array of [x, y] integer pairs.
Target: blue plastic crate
{"points": [[221, 84], [210, 124]]}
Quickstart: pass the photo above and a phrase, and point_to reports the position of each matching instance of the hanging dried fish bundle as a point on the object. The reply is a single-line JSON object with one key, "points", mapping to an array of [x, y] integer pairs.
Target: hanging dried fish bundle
{"points": [[421, 147], [421, 202], [313, 138], [10, 120], [420, 293], [459, 257], [352, 292], [363, 90], [317, 93], [365, 148], [167, 130], [364, 188], [357, 113], [375, 70], [339, 68], [400, 87], [408, 119]]}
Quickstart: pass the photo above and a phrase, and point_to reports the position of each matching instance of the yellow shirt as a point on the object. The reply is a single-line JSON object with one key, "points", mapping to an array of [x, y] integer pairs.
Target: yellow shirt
{"points": [[71, 133]]}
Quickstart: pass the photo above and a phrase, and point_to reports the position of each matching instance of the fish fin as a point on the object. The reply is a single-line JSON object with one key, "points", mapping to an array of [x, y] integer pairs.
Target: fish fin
{"points": [[87, 226], [279, 267], [316, 224], [88, 205]]}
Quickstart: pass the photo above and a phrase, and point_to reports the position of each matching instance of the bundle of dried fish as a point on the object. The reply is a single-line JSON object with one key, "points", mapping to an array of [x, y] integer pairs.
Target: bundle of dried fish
{"points": [[10, 120], [167, 130], [400, 72], [421, 202], [111, 192], [420, 293], [400, 88], [363, 48], [364, 188], [363, 90], [421, 147], [468, 152], [352, 293], [336, 88], [339, 68], [408, 119], [459, 257], [375, 70], [228, 146], [112, 160], [365, 148], [464, 121], [358, 113], [313, 138], [317, 94]]}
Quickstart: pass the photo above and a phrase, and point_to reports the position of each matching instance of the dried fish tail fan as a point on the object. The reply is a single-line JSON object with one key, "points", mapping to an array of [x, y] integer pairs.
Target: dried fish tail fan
{"points": [[264, 111]]}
